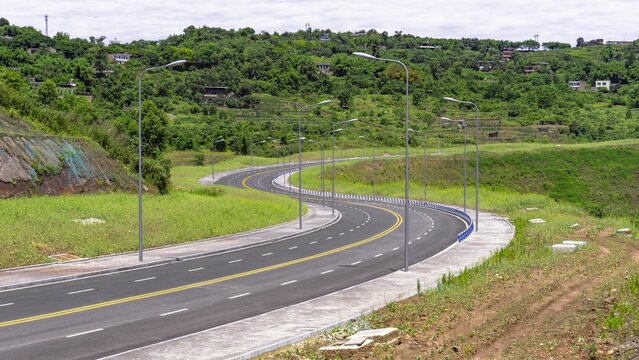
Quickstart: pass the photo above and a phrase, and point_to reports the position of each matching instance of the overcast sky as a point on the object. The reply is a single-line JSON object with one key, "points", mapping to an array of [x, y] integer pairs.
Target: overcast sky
{"points": [[127, 20]]}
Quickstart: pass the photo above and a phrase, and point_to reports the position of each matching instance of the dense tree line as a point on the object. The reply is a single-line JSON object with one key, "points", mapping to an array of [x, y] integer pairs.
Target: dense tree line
{"points": [[284, 66]]}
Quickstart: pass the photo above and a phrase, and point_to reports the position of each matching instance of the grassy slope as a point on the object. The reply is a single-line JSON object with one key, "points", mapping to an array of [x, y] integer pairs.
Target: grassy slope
{"points": [[36, 227], [524, 302], [33, 228], [600, 177]]}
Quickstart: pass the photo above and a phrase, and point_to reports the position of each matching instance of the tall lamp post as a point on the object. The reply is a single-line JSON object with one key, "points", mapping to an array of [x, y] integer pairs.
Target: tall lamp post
{"points": [[371, 57], [299, 155], [476, 155], [462, 125], [252, 147], [425, 142], [332, 132], [219, 139], [169, 65]]}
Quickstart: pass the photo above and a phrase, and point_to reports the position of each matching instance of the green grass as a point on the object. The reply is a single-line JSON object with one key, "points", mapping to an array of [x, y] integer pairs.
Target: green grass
{"points": [[600, 178], [32, 228]]}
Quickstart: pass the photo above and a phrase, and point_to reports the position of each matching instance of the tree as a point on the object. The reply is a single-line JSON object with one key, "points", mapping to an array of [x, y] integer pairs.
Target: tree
{"points": [[4, 22], [154, 129], [47, 92], [581, 42]]}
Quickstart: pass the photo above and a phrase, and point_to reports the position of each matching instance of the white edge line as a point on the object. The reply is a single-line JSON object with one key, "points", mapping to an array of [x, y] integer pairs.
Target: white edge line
{"points": [[84, 333], [174, 312]]}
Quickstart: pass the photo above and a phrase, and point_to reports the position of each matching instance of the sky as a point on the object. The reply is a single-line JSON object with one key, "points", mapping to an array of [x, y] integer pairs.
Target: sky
{"points": [[516, 20]]}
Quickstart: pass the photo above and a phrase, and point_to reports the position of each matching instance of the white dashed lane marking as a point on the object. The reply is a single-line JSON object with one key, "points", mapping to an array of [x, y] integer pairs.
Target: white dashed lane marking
{"points": [[196, 269], [267, 254], [238, 296], [234, 261], [145, 279], [378, 255], [396, 248], [174, 312], [326, 272], [79, 291], [356, 262], [288, 282], [312, 242], [84, 333], [7, 304], [292, 248]]}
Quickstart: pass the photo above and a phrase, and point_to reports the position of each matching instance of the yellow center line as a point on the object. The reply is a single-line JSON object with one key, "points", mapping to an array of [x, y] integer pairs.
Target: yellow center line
{"points": [[398, 222]]}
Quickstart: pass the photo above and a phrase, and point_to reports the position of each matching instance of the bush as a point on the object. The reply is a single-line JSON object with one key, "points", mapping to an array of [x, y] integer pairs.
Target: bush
{"points": [[157, 172]]}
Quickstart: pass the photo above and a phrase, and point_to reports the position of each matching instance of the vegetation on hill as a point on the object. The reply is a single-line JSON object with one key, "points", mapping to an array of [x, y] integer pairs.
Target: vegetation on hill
{"points": [[269, 75]]}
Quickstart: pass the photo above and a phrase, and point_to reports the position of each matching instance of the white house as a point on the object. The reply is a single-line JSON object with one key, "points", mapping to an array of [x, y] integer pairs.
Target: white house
{"points": [[119, 58], [602, 84]]}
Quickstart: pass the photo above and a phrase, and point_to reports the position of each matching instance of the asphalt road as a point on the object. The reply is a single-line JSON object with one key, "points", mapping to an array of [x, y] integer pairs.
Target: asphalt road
{"points": [[107, 314]]}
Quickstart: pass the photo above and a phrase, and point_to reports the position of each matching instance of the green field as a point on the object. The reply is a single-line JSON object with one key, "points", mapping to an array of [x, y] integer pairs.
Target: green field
{"points": [[33, 228]]}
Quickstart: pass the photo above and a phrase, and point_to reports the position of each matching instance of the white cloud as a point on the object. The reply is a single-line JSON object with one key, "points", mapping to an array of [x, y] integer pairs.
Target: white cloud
{"points": [[514, 20]]}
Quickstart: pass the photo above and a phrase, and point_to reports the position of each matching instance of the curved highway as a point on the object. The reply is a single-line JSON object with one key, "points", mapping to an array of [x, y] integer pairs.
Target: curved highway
{"points": [[102, 315]]}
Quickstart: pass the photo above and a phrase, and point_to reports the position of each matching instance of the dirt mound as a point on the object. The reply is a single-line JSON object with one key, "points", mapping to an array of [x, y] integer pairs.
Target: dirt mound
{"points": [[52, 165]]}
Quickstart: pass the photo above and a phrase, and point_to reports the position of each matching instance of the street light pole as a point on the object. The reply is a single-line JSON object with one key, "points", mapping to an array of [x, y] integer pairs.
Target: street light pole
{"points": [[322, 170], [476, 155], [332, 132], [220, 139], [299, 155], [169, 65], [461, 123], [406, 222]]}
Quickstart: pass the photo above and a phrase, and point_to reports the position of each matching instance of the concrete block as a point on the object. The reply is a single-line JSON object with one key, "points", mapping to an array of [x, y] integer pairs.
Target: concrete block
{"points": [[344, 351], [360, 341], [383, 334], [537, 221], [578, 244], [563, 248]]}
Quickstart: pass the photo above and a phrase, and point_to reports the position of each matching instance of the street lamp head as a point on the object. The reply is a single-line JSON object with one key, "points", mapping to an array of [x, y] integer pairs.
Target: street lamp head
{"points": [[175, 63], [446, 119], [362, 137], [219, 140], [365, 55], [323, 102], [447, 98], [262, 142], [337, 130]]}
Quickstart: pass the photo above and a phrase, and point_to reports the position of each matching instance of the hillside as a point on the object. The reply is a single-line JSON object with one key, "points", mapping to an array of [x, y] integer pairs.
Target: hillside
{"points": [[33, 163]]}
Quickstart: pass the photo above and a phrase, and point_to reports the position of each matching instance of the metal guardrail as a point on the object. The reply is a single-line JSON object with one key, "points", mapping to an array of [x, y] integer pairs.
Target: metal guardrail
{"points": [[425, 204]]}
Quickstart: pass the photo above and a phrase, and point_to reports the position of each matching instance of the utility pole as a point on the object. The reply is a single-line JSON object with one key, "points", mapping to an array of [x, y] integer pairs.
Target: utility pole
{"points": [[46, 25]]}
